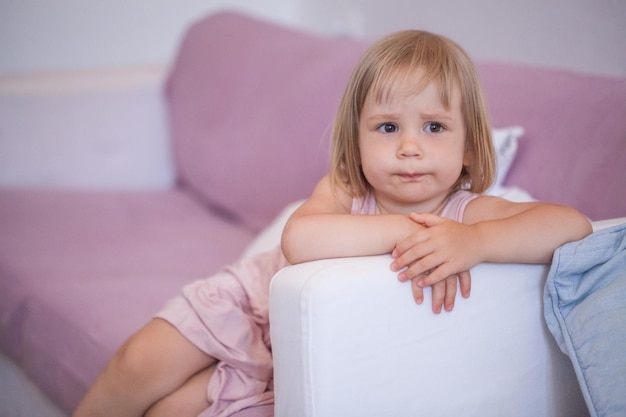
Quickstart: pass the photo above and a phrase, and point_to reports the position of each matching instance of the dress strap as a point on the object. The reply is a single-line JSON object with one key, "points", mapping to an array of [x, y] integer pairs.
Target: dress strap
{"points": [[456, 204], [364, 205]]}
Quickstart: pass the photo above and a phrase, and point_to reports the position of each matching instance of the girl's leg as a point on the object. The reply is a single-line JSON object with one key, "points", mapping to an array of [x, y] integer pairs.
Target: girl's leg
{"points": [[153, 363], [187, 401]]}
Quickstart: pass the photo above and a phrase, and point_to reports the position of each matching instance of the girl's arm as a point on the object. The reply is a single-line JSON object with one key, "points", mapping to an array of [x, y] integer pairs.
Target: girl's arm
{"points": [[324, 228], [524, 232], [493, 230]]}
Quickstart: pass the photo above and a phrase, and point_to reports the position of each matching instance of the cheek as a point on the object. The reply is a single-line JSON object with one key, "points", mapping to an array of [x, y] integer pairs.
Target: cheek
{"points": [[366, 164], [467, 153], [365, 155], [370, 164]]}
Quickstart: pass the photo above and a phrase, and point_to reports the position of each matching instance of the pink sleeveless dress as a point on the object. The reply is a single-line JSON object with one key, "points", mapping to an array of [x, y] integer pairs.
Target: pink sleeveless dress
{"points": [[226, 316], [453, 209]]}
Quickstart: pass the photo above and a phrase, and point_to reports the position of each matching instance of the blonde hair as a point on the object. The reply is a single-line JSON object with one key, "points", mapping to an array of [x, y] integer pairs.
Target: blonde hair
{"points": [[395, 60]]}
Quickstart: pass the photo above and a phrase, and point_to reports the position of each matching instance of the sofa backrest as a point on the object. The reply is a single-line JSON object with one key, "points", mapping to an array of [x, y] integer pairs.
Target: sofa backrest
{"points": [[251, 106], [574, 146]]}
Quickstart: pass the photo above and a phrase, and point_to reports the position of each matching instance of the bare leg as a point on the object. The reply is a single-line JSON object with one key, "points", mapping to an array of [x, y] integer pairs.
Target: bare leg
{"points": [[188, 400], [153, 363]]}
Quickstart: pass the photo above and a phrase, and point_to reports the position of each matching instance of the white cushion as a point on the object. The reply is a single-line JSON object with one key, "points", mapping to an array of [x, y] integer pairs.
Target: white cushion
{"points": [[505, 142], [348, 340], [269, 238], [90, 129]]}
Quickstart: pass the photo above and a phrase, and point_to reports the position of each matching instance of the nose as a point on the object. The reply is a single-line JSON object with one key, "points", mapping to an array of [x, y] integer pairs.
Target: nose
{"points": [[409, 146]]}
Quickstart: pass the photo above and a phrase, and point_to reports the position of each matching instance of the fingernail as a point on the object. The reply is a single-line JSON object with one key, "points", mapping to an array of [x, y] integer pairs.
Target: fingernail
{"points": [[402, 276], [394, 254]]}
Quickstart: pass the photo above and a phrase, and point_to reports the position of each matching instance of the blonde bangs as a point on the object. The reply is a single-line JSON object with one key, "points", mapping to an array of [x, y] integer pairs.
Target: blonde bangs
{"points": [[407, 64]]}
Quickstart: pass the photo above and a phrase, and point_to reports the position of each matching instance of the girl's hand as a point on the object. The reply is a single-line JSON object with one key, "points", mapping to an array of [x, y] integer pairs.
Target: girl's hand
{"points": [[442, 250], [443, 292]]}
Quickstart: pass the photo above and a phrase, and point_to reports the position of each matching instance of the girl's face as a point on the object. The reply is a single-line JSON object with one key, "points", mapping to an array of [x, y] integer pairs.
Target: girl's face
{"points": [[412, 149]]}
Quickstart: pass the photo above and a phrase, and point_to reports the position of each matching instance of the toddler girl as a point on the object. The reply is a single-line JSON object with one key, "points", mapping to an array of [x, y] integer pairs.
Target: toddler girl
{"points": [[412, 136], [411, 144]]}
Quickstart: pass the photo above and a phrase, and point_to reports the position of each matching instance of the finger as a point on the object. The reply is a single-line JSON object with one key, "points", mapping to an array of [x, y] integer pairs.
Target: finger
{"points": [[413, 262], [426, 219], [438, 294], [465, 280], [418, 292], [414, 270], [408, 243], [451, 285], [436, 273], [422, 269]]}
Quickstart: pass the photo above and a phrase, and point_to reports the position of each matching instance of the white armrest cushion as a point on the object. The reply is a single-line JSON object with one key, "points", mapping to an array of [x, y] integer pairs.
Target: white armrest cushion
{"points": [[348, 340]]}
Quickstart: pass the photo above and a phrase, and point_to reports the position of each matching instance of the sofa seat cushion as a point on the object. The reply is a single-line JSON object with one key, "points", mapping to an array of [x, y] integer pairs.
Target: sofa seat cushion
{"points": [[90, 269]]}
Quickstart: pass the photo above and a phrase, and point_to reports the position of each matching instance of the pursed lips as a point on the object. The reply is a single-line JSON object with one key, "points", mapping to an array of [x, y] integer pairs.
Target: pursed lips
{"points": [[410, 176]]}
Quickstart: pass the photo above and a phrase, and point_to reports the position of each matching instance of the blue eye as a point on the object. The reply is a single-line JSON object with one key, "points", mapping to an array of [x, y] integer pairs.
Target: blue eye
{"points": [[387, 128], [434, 127]]}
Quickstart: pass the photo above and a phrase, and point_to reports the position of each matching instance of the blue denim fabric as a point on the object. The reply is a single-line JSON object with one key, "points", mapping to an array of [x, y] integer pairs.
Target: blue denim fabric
{"points": [[585, 309]]}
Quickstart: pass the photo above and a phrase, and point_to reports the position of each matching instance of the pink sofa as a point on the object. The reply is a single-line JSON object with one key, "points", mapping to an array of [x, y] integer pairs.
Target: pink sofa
{"points": [[250, 106]]}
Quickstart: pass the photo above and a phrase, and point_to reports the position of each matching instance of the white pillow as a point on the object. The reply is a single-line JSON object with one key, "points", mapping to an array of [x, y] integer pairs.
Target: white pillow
{"points": [[269, 238], [86, 129], [505, 144], [515, 194]]}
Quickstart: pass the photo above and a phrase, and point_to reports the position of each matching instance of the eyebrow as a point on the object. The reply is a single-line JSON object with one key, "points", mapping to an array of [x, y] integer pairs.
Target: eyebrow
{"points": [[425, 116], [383, 116], [437, 116]]}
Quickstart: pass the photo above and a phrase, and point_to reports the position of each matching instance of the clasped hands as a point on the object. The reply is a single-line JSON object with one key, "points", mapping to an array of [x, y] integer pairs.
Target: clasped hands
{"points": [[437, 255]]}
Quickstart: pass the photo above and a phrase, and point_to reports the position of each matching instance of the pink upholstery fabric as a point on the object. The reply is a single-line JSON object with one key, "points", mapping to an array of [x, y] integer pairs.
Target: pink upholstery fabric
{"points": [[81, 272], [574, 147], [251, 108]]}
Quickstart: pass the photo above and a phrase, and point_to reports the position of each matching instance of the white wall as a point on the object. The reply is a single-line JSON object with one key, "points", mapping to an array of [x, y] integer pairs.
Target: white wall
{"points": [[584, 35], [41, 35]]}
